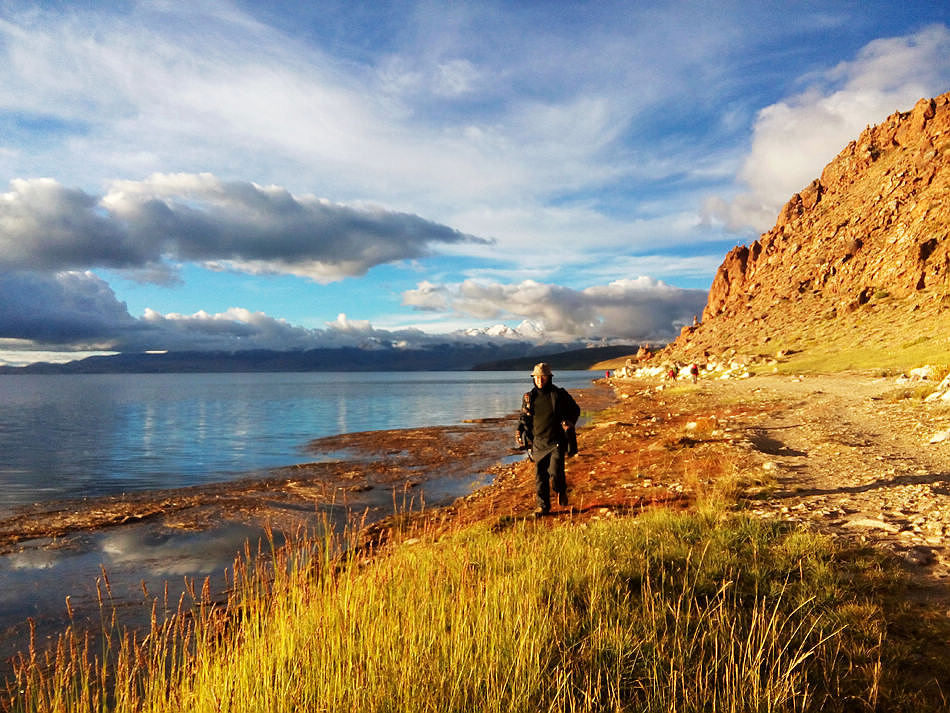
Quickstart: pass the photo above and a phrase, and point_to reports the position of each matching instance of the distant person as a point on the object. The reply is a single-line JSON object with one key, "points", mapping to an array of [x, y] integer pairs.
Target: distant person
{"points": [[546, 428], [694, 371], [671, 374]]}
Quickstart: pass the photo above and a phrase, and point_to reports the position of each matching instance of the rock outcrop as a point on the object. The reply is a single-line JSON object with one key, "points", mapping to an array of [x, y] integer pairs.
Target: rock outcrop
{"points": [[873, 226]]}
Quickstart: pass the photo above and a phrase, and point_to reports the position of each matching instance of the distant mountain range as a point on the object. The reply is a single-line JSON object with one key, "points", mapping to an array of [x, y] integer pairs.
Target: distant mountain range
{"points": [[443, 357], [572, 359]]}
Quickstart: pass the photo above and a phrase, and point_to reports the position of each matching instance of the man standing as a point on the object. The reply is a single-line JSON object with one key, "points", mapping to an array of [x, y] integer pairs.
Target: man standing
{"points": [[546, 429]]}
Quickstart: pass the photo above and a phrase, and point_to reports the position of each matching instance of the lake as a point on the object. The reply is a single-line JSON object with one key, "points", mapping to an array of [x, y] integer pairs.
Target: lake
{"points": [[79, 436], [69, 436]]}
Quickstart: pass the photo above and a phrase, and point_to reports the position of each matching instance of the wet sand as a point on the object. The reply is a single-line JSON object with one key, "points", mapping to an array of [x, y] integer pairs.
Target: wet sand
{"points": [[353, 471]]}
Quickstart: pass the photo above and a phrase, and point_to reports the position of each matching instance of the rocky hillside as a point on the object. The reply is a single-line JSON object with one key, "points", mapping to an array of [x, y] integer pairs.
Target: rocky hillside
{"points": [[858, 260]]}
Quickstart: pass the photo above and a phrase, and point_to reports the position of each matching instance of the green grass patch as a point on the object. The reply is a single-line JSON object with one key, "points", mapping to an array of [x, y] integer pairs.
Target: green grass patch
{"points": [[916, 392], [833, 358], [668, 612]]}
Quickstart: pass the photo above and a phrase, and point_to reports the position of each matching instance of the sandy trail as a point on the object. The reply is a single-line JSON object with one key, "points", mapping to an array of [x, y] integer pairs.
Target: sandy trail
{"points": [[851, 459]]}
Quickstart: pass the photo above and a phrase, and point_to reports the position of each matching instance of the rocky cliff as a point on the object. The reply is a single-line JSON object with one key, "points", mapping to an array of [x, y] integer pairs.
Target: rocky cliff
{"points": [[866, 243]]}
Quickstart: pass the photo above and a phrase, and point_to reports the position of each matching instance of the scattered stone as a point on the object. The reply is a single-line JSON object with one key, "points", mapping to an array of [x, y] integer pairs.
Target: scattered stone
{"points": [[920, 556], [923, 373], [870, 523]]}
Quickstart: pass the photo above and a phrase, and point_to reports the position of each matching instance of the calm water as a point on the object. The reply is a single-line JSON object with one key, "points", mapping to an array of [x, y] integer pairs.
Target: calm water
{"points": [[65, 436], [74, 436]]}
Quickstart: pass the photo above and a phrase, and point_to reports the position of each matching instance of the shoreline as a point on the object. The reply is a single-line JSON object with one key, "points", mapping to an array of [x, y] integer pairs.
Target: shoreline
{"points": [[756, 444], [145, 541], [368, 466]]}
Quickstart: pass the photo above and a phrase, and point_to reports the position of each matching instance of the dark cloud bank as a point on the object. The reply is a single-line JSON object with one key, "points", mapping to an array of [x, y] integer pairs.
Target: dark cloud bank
{"points": [[140, 225], [52, 237]]}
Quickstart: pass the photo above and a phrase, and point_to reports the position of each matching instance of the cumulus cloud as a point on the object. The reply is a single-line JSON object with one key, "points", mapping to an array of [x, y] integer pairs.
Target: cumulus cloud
{"points": [[641, 309], [67, 308], [242, 226], [76, 311], [47, 226], [794, 139], [73, 311], [427, 296]]}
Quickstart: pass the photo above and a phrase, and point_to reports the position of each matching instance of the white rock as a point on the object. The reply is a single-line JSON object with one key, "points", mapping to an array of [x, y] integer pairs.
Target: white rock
{"points": [[936, 395], [871, 524], [923, 373], [940, 436]]}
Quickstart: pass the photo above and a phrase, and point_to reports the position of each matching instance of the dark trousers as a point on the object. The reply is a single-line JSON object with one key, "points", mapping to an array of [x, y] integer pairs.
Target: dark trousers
{"points": [[549, 474]]}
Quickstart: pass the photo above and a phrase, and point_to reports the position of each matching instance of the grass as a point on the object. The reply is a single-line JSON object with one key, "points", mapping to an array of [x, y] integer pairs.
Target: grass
{"points": [[836, 356], [916, 392], [892, 338], [889, 333], [707, 611]]}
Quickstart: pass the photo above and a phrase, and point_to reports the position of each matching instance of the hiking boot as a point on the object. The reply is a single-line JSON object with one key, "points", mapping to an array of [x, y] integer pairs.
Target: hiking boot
{"points": [[541, 512]]}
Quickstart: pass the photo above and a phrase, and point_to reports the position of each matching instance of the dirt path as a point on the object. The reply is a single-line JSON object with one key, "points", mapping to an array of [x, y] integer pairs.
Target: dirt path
{"points": [[850, 458]]}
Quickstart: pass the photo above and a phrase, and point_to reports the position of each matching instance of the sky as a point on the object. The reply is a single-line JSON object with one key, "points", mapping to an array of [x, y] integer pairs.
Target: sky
{"points": [[233, 175]]}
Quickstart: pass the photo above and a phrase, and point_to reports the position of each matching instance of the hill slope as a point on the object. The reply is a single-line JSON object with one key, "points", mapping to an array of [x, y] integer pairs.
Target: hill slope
{"points": [[855, 271]]}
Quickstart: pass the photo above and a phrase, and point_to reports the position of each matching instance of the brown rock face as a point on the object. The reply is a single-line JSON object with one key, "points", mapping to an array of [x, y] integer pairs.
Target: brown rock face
{"points": [[876, 223]]}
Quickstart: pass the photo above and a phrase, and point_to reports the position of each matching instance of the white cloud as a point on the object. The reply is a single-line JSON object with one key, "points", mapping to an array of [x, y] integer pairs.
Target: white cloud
{"points": [[794, 139], [181, 90], [46, 226], [641, 309], [344, 325], [456, 77], [458, 119], [140, 225], [427, 296], [77, 311], [48, 314]]}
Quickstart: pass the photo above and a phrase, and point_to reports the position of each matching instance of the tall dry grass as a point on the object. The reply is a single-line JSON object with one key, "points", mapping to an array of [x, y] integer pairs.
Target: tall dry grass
{"points": [[668, 612]]}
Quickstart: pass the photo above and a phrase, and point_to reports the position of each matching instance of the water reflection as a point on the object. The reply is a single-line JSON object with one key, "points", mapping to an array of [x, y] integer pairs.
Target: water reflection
{"points": [[35, 581], [146, 560], [67, 437], [85, 435]]}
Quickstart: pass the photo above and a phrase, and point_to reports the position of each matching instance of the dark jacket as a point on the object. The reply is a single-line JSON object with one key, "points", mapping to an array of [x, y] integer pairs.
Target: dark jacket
{"points": [[565, 409]]}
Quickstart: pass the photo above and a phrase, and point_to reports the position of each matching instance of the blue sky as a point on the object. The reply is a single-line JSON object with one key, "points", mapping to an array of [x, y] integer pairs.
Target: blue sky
{"points": [[226, 175]]}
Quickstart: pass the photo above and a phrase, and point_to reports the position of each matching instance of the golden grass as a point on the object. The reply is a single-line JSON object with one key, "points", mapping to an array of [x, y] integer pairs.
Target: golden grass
{"points": [[888, 335], [667, 612]]}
